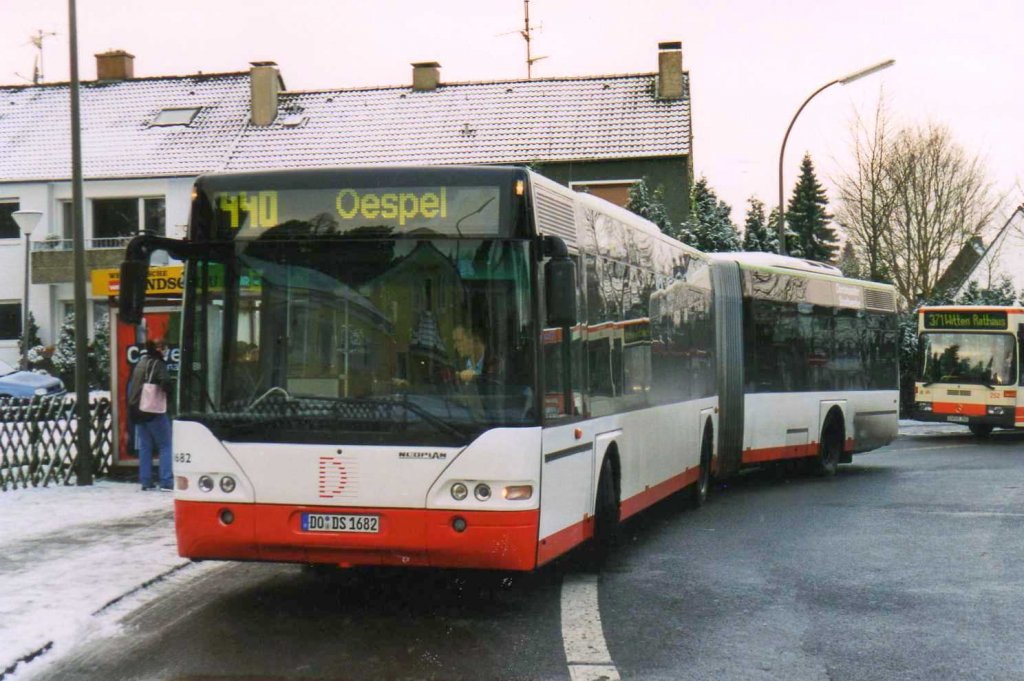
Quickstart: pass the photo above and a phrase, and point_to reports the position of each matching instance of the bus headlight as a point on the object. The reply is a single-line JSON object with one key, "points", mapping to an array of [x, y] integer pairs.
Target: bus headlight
{"points": [[924, 406], [206, 483], [482, 492], [517, 492], [227, 484], [996, 411], [459, 491]]}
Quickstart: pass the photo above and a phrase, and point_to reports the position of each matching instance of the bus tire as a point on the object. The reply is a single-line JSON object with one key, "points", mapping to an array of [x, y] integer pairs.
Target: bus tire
{"points": [[830, 449], [606, 517], [980, 429], [698, 492]]}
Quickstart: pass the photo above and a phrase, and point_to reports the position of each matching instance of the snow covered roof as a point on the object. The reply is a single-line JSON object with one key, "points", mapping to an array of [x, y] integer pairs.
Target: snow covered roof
{"points": [[516, 121], [118, 139]]}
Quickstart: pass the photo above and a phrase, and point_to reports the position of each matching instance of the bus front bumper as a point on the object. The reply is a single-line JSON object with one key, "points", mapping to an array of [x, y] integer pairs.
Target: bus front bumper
{"points": [[496, 540], [998, 420]]}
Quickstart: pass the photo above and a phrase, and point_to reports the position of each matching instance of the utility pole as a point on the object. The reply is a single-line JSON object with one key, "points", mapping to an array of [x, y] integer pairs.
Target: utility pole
{"points": [[37, 42]]}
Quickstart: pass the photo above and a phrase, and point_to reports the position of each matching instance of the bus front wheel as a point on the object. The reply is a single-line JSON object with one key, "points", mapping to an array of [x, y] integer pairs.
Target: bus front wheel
{"points": [[698, 492], [606, 517], [980, 429], [830, 449]]}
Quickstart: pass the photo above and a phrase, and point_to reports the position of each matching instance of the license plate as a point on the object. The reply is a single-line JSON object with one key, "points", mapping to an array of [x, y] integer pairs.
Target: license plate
{"points": [[340, 522], [957, 419]]}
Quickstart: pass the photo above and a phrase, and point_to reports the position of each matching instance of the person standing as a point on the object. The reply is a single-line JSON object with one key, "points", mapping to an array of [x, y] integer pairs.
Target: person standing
{"points": [[147, 402]]}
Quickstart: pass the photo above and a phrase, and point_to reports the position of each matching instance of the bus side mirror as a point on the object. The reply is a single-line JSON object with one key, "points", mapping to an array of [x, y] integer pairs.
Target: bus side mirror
{"points": [[131, 296], [560, 291]]}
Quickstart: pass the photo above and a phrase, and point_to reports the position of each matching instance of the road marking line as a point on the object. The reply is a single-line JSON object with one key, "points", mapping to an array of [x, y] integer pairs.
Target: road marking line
{"points": [[921, 449], [582, 636]]}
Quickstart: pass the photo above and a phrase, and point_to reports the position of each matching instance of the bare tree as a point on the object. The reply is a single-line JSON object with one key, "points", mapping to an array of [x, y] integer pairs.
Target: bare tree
{"points": [[941, 198], [913, 199], [865, 196]]}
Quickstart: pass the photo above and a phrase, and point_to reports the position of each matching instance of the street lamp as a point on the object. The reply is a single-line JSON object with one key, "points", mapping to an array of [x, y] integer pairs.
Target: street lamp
{"points": [[845, 80], [27, 221]]}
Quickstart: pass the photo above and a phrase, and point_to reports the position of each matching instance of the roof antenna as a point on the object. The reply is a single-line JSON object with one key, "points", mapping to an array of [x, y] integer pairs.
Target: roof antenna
{"points": [[36, 39], [527, 35]]}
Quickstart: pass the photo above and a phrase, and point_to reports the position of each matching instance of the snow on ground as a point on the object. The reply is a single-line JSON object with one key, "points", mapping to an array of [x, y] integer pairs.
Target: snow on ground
{"points": [[918, 428], [66, 552]]}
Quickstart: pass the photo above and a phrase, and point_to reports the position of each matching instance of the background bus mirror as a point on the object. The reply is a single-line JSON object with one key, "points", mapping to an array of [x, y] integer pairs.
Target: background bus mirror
{"points": [[131, 296], [560, 291]]}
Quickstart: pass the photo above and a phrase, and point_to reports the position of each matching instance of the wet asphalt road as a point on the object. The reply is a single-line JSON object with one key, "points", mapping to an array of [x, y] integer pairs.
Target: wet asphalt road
{"points": [[909, 564]]}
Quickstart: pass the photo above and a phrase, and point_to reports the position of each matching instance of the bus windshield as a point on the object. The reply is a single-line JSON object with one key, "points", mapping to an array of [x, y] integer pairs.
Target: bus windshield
{"points": [[981, 358], [417, 341]]}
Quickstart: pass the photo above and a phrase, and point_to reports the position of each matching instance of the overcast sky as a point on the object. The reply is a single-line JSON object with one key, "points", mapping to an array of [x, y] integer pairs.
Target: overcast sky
{"points": [[751, 63]]}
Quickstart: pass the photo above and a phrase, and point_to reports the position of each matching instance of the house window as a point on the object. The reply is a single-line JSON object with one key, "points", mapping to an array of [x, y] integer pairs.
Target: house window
{"points": [[10, 321], [181, 116], [8, 227], [613, 191], [118, 218]]}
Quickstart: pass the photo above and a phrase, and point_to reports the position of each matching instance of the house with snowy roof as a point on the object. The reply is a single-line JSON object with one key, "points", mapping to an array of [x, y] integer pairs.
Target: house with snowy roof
{"points": [[146, 139]]}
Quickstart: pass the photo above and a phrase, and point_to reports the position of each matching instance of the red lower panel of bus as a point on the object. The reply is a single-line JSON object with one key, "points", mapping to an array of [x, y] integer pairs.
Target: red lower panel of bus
{"points": [[562, 541], [766, 454], [499, 540], [1020, 415], [958, 408]]}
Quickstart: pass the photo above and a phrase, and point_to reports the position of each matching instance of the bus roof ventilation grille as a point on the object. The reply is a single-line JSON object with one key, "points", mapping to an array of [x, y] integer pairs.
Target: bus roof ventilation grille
{"points": [[554, 215], [879, 300]]}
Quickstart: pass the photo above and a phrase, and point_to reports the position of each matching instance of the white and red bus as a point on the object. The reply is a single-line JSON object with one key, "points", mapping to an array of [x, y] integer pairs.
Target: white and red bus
{"points": [[470, 367], [325, 413], [971, 369], [807, 363]]}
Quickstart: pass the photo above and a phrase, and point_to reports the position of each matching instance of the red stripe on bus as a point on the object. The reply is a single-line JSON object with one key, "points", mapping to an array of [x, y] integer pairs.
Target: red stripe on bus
{"points": [[848, 445], [778, 453], [958, 408], [560, 542], [1020, 415], [651, 495], [498, 540]]}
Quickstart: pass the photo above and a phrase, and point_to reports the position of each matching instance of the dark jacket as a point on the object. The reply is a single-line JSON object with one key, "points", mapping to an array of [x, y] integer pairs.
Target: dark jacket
{"points": [[160, 376]]}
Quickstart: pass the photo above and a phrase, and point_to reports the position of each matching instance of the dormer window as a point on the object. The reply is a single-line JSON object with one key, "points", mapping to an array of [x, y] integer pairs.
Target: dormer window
{"points": [[176, 116]]}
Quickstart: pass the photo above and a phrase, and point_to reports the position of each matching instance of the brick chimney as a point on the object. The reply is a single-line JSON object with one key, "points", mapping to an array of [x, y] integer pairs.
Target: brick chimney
{"points": [[426, 76], [670, 70], [264, 86], [115, 65]]}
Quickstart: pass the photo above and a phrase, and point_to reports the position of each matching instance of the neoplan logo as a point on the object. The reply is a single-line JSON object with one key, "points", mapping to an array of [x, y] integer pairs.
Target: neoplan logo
{"points": [[441, 456]]}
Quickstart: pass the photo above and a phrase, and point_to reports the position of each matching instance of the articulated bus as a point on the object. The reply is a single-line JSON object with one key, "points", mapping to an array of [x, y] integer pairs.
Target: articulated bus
{"points": [[469, 366], [807, 363], [971, 369]]}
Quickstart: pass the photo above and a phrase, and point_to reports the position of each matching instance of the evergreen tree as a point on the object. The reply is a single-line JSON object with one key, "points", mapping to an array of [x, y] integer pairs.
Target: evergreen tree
{"points": [[64, 353], [1002, 293], [649, 204], [33, 335], [849, 263], [808, 217], [759, 234], [709, 228], [99, 354]]}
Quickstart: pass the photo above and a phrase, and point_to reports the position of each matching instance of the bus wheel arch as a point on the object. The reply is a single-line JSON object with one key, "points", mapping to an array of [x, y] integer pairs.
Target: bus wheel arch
{"points": [[607, 512], [830, 445]]}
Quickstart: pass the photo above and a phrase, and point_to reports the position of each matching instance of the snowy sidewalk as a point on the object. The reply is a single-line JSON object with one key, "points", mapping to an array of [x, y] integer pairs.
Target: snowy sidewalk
{"points": [[67, 552], [921, 428]]}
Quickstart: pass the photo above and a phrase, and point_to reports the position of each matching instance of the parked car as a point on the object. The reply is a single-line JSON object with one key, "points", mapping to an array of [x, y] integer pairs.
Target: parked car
{"points": [[27, 384]]}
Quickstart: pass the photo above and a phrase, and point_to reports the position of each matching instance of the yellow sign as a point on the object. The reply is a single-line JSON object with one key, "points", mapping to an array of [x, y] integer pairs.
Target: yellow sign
{"points": [[404, 206], [261, 207], [162, 281]]}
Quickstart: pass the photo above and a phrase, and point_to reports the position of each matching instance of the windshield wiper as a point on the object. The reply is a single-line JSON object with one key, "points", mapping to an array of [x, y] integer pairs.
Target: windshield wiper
{"points": [[268, 393], [469, 215]]}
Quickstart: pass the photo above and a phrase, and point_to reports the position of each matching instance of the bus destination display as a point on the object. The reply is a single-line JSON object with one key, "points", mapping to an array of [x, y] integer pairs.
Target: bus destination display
{"points": [[442, 209], [967, 321]]}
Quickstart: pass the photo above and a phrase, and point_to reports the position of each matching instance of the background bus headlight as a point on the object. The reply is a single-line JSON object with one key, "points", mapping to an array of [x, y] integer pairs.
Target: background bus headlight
{"points": [[459, 491], [924, 406], [996, 411]]}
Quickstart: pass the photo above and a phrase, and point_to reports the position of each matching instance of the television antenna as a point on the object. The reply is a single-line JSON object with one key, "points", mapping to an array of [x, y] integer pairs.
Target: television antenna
{"points": [[36, 40], [527, 35]]}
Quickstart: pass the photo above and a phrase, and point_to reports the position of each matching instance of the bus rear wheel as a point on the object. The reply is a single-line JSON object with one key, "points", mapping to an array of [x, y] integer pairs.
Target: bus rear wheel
{"points": [[698, 492], [980, 429], [830, 449]]}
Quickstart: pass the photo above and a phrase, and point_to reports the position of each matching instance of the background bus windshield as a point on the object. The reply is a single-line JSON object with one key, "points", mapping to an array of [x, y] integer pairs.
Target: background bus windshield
{"points": [[364, 340], [981, 358]]}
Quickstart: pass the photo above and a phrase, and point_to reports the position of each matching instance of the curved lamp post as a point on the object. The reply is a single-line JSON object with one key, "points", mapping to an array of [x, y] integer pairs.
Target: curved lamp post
{"points": [[27, 221], [845, 80]]}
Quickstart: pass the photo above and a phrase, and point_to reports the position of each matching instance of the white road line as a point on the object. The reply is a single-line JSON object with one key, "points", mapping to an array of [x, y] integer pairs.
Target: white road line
{"points": [[585, 649]]}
